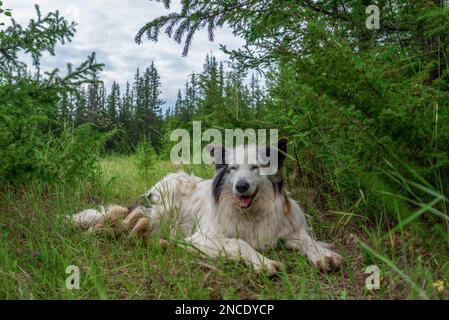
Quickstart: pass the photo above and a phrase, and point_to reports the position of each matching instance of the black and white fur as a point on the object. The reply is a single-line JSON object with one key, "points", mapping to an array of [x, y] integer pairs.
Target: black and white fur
{"points": [[236, 213]]}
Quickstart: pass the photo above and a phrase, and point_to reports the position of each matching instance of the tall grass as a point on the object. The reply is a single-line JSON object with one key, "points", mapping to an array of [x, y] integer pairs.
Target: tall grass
{"points": [[36, 246]]}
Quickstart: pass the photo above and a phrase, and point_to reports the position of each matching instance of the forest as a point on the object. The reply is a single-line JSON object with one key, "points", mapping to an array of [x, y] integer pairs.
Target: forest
{"points": [[366, 113]]}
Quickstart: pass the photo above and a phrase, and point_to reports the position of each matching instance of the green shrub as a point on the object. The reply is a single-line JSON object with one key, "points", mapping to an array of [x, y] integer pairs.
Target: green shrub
{"points": [[145, 156], [30, 147], [71, 156], [35, 140]]}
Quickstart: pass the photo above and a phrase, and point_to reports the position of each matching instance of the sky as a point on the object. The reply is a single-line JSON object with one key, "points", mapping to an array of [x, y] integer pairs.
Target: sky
{"points": [[108, 27]]}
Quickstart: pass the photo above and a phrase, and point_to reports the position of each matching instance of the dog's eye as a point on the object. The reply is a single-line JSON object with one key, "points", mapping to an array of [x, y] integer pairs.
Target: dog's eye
{"points": [[254, 167], [232, 168]]}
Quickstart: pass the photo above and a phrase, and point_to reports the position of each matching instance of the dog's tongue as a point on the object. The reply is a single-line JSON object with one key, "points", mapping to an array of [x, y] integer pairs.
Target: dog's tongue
{"points": [[245, 202]]}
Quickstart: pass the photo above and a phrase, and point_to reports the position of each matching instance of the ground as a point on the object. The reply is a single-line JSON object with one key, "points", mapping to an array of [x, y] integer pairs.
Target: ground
{"points": [[36, 247]]}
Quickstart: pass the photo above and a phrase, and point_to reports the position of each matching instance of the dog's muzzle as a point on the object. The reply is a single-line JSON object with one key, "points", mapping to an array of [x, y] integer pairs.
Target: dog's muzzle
{"points": [[246, 201]]}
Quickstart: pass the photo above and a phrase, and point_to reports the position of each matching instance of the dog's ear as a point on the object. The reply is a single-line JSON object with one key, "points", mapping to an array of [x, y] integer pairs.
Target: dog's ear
{"points": [[281, 149], [218, 153]]}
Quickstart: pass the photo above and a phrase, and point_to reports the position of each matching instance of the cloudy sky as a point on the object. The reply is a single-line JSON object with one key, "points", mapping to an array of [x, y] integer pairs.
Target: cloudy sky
{"points": [[108, 27]]}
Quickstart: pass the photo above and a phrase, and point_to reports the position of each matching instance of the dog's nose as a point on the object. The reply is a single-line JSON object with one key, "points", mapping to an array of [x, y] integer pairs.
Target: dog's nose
{"points": [[242, 186]]}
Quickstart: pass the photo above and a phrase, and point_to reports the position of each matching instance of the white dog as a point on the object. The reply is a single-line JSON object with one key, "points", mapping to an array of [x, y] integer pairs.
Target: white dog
{"points": [[235, 214]]}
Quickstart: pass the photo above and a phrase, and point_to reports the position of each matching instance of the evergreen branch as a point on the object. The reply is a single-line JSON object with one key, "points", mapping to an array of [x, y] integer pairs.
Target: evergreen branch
{"points": [[194, 16]]}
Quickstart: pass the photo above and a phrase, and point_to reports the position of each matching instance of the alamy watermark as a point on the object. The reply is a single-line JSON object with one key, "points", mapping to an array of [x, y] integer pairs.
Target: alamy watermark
{"points": [[263, 139], [373, 20], [73, 280], [373, 280]]}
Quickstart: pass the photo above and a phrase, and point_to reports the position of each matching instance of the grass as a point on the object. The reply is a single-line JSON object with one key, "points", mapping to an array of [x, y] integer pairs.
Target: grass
{"points": [[36, 247]]}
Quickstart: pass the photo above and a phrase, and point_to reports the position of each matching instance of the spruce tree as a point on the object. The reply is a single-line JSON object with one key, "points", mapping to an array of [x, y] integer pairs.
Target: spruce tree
{"points": [[113, 105]]}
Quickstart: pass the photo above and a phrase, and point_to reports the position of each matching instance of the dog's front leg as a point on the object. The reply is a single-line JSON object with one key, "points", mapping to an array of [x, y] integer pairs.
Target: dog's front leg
{"points": [[317, 252], [235, 249]]}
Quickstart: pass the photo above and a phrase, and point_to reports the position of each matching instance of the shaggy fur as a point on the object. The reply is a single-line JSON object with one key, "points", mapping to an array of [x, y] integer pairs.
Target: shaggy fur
{"points": [[235, 214]]}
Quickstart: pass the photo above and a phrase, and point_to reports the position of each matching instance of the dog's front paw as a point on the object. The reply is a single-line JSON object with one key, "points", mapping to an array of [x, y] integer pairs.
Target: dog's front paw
{"points": [[271, 267], [111, 222], [326, 259]]}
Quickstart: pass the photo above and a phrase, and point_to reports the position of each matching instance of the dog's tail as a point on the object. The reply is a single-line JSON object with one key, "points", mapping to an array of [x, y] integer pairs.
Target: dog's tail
{"points": [[87, 218]]}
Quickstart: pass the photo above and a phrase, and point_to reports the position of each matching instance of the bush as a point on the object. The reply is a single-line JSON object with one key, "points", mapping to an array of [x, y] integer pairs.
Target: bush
{"points": [[33, 142], [145, 156], [30, 147], [71, 156]]}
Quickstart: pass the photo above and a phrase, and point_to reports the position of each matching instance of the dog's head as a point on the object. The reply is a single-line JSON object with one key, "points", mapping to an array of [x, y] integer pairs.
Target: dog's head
{"points": [[240, 172]]}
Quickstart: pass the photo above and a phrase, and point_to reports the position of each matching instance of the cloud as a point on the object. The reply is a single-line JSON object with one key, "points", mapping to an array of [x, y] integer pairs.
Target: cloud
{"points": [[108, 27]]}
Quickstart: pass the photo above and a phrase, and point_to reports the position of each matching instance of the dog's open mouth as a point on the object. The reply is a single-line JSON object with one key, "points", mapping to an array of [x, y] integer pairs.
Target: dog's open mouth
{"points": [[246, 202]]}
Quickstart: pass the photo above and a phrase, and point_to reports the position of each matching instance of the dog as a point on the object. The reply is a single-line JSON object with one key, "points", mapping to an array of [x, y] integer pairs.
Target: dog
{"points": [[236, 214]]}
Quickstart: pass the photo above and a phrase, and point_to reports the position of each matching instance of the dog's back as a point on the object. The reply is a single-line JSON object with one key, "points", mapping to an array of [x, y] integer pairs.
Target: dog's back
{"points": [[196, 208]]}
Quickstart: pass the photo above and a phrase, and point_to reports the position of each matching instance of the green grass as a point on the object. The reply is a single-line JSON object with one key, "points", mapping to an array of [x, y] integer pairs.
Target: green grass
{"points": [[36, 246]]}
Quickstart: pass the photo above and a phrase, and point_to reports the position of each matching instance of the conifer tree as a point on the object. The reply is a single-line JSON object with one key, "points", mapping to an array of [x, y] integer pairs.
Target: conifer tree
{"points": [[113, 105]]}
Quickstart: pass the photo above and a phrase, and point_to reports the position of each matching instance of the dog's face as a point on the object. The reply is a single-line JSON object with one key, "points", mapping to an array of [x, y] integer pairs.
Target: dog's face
{"points": [[244, 179], [239, 173]]}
